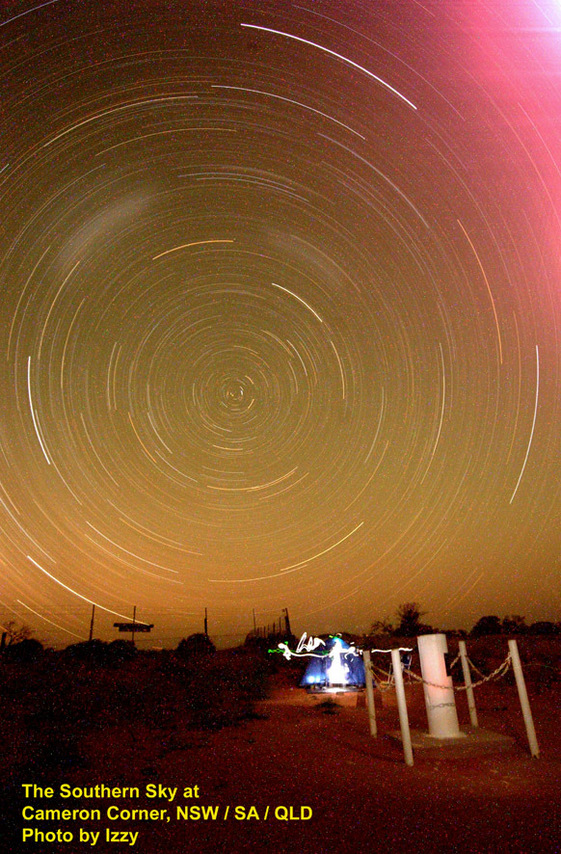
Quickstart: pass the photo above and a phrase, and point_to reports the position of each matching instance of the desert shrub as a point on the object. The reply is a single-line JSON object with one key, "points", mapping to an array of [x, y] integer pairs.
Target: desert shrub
{"points": [[544, 627], [120, 651], [94, 651], [488, 625], [25, 650], [195, 646]]}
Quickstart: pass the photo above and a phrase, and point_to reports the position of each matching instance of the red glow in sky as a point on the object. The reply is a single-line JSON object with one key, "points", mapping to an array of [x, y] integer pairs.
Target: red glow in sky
{"points": [[281, 313]]}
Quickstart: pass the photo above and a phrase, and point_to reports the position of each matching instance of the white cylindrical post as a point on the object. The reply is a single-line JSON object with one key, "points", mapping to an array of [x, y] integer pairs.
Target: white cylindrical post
{"points": [[467, 683], [402, 707], [370, 693], [523, 695], [437, 686]]}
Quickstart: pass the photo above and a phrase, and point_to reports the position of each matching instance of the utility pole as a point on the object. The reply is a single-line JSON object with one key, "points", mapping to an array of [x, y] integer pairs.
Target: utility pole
{"points": [[92, 622], [287, 622], [206, 623], [254, 623], [133, 623]]}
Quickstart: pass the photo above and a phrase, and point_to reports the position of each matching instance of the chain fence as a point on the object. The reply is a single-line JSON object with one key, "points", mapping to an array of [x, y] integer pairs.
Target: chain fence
{"points": [[387, 682]]}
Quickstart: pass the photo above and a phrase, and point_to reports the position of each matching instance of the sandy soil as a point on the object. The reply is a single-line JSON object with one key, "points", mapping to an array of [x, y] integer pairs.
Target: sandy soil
{"points": [[362, 796]]}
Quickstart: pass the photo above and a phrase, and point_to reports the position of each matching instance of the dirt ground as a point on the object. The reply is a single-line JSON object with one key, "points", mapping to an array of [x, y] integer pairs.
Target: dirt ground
{"points": [[360, 794]]}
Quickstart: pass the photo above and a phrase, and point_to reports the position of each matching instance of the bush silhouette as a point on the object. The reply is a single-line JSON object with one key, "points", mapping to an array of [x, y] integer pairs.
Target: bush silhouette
{"points": [[28, 649], [196, 646]]}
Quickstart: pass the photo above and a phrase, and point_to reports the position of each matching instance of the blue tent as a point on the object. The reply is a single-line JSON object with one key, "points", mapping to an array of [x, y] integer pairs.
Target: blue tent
{"points": [[335, 664]]}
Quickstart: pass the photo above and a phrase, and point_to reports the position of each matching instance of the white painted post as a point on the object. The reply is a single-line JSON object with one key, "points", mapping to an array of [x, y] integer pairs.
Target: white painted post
{"points": [[402, 707], [437, 687], [523, 696], [370, 694], [467, 682]]}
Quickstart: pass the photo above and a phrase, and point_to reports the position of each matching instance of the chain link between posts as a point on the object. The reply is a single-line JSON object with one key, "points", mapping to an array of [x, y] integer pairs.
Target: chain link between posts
{"points": [[385, 684], [388, 682]]}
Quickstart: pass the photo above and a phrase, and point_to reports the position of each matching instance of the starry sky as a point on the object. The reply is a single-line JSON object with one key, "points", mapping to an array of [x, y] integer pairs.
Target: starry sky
{"points": [[281, 313]]}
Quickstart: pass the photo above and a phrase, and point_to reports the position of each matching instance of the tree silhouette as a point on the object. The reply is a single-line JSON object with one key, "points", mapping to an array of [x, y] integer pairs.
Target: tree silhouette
{"points": [[24, 650], [382, 627], [409, 615], [197, 645], [488, 625], [545, 627], [12, 633], [514, 625]]}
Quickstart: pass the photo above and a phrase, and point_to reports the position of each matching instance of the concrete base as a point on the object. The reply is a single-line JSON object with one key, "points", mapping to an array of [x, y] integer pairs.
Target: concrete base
{"points": [[470, 741]]}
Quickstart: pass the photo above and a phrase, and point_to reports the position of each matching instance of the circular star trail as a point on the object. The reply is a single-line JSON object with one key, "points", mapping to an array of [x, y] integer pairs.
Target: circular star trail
{"points": [[280, 313]]}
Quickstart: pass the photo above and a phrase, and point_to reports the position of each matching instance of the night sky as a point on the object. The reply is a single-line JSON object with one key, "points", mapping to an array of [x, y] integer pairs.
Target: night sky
{"points": [[281, 313]]}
